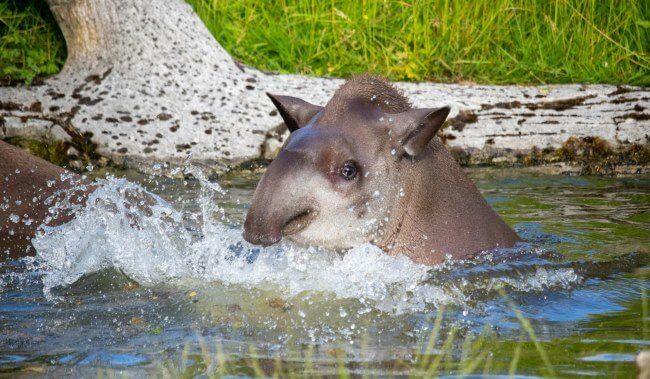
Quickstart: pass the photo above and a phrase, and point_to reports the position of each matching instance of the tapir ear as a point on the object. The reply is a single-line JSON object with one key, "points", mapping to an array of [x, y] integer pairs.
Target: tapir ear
{"points": [[418, 126], [295, 112]]}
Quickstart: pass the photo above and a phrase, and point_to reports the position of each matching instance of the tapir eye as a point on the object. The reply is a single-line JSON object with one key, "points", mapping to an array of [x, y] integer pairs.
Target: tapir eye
{"points": [[349, 170]]}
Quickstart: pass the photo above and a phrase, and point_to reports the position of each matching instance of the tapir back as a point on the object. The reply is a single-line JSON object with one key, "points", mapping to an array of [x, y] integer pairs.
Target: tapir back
{"points": [[25, 183]]}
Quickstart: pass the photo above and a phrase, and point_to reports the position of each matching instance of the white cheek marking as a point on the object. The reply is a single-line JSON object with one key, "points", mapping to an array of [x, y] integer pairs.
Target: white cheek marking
{"points": [[336, 229]]}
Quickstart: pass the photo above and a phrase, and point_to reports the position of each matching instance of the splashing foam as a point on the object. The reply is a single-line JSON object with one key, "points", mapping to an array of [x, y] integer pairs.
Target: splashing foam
{"points": [[122, 226]]}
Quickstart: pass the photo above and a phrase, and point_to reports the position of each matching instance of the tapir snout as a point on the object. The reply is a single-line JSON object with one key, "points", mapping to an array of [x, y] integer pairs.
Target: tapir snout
{"points": [[279, 207]]}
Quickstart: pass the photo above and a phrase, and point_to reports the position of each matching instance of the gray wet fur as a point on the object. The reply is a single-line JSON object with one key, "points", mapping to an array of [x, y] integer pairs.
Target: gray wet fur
{"points": [[366, 88], [409, 197]]}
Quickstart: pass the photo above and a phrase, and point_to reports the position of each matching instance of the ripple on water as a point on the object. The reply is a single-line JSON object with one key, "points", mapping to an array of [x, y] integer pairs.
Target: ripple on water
{"points": [[609, 357]]}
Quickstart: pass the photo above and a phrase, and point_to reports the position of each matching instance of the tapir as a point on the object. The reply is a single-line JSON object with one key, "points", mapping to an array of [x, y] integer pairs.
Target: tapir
{"points": [[367, 168], [28, 188]]}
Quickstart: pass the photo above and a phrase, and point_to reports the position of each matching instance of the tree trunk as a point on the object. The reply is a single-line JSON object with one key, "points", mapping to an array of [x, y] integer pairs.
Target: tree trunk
{"points": [[146, 82]]}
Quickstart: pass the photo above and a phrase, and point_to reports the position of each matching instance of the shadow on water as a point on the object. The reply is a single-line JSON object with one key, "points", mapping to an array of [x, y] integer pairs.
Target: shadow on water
{"points": [[171, 288]]}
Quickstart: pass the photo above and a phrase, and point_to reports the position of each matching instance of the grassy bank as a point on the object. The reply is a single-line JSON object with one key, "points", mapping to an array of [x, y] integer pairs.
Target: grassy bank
{"points": [[485, 41]]}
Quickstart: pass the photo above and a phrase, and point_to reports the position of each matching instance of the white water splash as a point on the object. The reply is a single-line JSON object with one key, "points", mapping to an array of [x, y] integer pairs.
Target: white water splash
{"points": [[127, 228], [136, 232]]}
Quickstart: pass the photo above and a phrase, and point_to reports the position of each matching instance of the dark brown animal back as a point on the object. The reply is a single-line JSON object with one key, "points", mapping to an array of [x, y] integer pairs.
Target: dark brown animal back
{"points": [[369, 89]]}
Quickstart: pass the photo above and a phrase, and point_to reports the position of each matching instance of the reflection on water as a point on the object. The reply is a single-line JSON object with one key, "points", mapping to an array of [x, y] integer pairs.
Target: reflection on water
{"points": [[144, 277]]}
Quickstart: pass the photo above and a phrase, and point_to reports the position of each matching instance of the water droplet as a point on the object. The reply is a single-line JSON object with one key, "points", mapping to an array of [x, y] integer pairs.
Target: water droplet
{"points": [[14, 218], [393, 152]]}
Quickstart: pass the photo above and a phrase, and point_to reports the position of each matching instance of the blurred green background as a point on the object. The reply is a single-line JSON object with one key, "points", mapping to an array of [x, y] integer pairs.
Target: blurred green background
{"points": [[482, 41]]}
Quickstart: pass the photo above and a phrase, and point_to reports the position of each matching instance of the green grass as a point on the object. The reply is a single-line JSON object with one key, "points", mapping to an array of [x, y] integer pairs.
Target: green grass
{"points": [[484, 41], [31, 44], [487, 41]]}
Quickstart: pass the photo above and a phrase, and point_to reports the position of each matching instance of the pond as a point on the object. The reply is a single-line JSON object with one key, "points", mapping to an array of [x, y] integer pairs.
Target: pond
{"points": [[170, 288]]}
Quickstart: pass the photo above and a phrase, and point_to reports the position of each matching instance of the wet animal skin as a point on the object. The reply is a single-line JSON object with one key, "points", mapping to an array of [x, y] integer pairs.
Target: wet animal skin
{"points": [[367, 167], [28, 188]]}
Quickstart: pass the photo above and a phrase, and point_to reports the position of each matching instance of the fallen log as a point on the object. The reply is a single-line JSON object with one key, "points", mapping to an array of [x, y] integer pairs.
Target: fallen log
{"points": [[146, 82]]}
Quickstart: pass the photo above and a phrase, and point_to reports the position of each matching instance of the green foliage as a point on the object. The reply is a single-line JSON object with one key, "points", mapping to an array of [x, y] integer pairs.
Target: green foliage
{"points": [[31, 44], [489, 41]]}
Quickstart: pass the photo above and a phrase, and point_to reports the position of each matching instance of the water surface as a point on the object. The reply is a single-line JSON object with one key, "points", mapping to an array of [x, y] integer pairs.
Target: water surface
{"points": [[170, 287]]}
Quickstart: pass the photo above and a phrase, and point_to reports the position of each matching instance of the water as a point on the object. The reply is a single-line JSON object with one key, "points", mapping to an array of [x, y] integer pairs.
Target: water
{"points": [[168, 287]]}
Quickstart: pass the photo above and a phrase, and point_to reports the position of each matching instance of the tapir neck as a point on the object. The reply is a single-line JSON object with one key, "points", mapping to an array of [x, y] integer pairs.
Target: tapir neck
{"points": [[441, 213]]}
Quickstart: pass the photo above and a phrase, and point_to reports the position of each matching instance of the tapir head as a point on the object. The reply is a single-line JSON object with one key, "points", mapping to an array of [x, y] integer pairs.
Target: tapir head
{"points": [[340, 173]]}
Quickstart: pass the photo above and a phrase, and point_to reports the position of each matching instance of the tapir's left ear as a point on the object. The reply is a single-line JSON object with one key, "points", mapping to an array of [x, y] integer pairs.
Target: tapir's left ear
{"points": [[415, 128], [295, 112]]}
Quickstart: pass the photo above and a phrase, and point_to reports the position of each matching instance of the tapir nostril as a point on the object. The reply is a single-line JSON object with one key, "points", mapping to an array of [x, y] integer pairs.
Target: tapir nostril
{"points": [[263, 237], [261, 230]]}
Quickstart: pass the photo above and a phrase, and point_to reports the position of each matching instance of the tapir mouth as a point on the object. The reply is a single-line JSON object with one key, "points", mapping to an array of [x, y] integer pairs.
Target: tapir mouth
{"points": [[298, 222]]}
